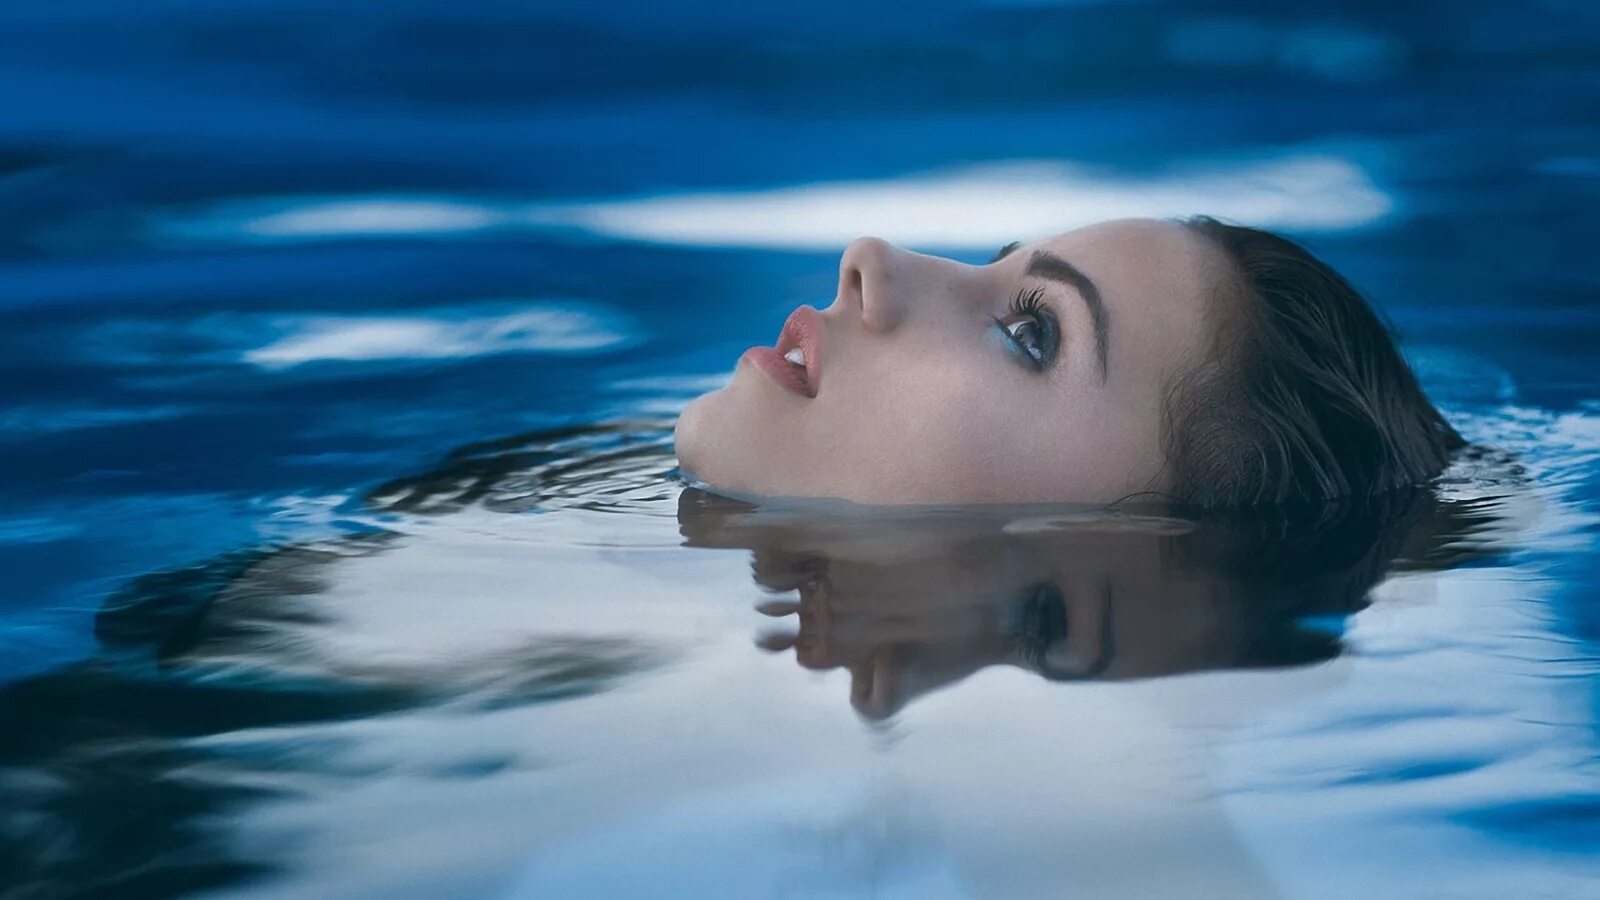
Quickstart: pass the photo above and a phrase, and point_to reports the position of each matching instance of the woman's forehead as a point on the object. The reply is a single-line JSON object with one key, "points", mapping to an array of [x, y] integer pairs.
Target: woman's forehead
{"points": [[1155, 278], [1148, 249]]}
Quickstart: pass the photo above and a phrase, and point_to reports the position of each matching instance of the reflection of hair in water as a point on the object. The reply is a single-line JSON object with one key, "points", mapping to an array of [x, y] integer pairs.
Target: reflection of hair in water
{"points": [[1292, 563]]}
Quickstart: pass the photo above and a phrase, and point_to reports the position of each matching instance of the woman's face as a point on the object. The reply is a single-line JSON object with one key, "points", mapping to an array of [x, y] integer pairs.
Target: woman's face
{"points": [[1038, 377]]}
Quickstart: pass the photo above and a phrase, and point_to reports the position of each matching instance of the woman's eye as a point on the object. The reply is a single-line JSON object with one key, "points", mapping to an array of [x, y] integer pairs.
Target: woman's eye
{"points": [[1030, 329], [1024, 333]]}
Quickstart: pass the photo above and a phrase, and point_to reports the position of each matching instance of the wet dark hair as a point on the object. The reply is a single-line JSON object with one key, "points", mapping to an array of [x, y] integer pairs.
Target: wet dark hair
{"points": [[1303, 395]]}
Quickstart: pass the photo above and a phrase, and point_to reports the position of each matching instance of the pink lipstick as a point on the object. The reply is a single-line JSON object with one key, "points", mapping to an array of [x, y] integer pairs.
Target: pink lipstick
{"points": [[795, 363]]}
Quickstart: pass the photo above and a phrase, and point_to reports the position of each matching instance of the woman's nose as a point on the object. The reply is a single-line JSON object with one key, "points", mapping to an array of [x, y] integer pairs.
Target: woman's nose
{"points": [[883, 283], [879, 280]]}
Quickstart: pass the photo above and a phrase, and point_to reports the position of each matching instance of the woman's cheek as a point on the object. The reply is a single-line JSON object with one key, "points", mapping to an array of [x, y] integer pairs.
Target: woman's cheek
{"points": [[968, 436]]}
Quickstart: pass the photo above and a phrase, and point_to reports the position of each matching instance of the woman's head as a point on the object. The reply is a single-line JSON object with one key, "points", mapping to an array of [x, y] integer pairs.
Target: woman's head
{"points": [[1117, 359]]}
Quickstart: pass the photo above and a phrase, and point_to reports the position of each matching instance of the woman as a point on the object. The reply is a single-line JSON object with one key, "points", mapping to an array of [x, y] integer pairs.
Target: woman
{"points": [[1198, 362]]}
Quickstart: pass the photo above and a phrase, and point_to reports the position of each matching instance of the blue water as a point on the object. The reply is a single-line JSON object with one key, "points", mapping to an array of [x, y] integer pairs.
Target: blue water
{"points": [[343, 555]]}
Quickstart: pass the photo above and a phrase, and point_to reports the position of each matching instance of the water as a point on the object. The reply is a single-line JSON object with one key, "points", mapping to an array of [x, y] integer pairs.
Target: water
{"points": [[343, 554]]}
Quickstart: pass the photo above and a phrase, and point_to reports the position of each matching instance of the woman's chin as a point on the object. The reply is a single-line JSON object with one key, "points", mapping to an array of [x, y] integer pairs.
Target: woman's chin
{"points": [[688, 436], [706, 442], [719, 445]]}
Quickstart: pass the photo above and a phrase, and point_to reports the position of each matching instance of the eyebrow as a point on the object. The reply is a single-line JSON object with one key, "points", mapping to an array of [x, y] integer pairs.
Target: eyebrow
{"points": [[1045, 264]]}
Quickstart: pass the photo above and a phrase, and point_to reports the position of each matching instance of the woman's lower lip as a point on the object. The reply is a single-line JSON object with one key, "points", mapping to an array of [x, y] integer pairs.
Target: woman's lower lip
{"points": [[784, 373]]}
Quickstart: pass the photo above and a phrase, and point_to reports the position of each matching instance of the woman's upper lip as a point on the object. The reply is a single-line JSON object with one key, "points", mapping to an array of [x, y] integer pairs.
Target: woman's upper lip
{"points": [[803, 332]]}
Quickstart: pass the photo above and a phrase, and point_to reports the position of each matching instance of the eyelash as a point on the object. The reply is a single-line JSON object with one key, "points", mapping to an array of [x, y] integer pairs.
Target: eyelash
{"points": [[1027, 303], [1030, 304], [1043, 623]]}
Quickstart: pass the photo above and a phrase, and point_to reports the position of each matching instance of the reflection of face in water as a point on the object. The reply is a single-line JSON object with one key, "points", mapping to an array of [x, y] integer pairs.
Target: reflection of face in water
{"points": [[903, 625], [921, 601]]}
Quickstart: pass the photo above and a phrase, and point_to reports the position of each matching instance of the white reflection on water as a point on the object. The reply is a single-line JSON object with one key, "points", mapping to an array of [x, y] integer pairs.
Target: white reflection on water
{"points": [[975, 207], [357, 338], [983, 207], [276, 341], [28, 421], [373, 217]]}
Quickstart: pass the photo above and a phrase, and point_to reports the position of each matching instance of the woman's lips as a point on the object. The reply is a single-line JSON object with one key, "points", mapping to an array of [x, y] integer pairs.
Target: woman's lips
{"points": [[796, 362]]}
